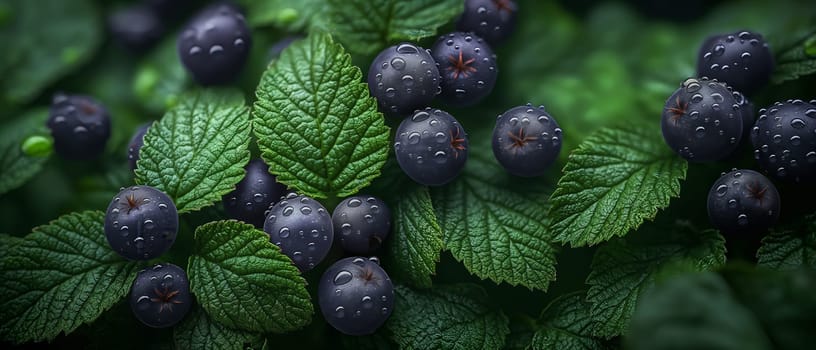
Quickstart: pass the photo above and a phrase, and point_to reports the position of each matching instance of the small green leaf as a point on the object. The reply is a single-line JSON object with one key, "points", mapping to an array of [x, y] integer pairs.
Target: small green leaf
{"points": [[622, 270], [496, 224], [60, 276], [41, 54], [244, 282], [790, 249], [415, 244], [199, 331], [566, 325], [292, 15], [367, 26], [614, 180], [160, 79], [458, 316], [797, 58], [196, 153], [694, 311], [16, 167], [317, 127]]}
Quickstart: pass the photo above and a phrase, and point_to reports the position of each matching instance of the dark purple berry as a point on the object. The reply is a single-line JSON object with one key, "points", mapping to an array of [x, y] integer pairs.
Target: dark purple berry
{"points": [[302, 229], [160, 296], [741, 59], [468, 68], [493, 20], [743, 201], [526, 140], [253, 195], [362, 223], [702, 120], [79, 125], [136, 27], [784, 139], [431, 147], [141, 223], [135, 145], [403, 78], [214, 46], [356, 295]]}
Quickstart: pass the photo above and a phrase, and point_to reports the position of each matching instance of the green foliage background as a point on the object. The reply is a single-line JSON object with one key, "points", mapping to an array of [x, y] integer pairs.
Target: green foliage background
{"points": [[593, 65]]}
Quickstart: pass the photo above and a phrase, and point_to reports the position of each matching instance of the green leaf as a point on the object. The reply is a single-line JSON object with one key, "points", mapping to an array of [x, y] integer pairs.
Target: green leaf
{"points": [[456, 316], [415, 244], [790, 249], [244, 282], [60, 276], [317, 126], [566, 325], [694, 311], [614, 180], [622, 270], [292, 15], [367, 26], [797, 60], [782, 302], [496, 224], [40, 54], [196, 153], [160, 79], [199, 331], [15, 166]]}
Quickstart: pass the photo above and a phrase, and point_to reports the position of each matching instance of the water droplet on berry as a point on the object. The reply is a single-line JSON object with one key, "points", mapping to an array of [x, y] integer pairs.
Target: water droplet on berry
{"points": [[342, 278]]}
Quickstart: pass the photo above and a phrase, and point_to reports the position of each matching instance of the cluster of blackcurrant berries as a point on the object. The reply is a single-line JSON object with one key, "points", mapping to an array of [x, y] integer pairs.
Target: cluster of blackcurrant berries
{"points": [[430, 145], [355, 294], [708, 117]]}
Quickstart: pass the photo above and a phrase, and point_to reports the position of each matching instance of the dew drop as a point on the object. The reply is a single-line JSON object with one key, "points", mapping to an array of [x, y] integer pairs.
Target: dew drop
{"points": [[342, 278]]}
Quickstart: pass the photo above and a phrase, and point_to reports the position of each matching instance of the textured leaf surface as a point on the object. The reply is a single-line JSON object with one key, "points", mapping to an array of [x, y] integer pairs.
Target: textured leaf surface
{"points": [[415, 244], [196, 153], [447, 317], [566, 325], [35, 54], [199, 331], [15, 167], [624, 269], [244, 282], [317, 127], [614, 180], [496, 224], [790, 249], [60, 276], [367, 26]]}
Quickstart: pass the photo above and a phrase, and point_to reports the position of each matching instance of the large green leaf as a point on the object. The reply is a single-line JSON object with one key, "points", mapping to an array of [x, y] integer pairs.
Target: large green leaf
{"points": [[456, 316], [196, 153], [694, 312], [496, 224], [36, 53], [415, 244], [367, 26], [15, 166], [624, 269], [199, 331], [616, 179], [60, 276], [317, 127], [565, 324], [244, 282]]}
